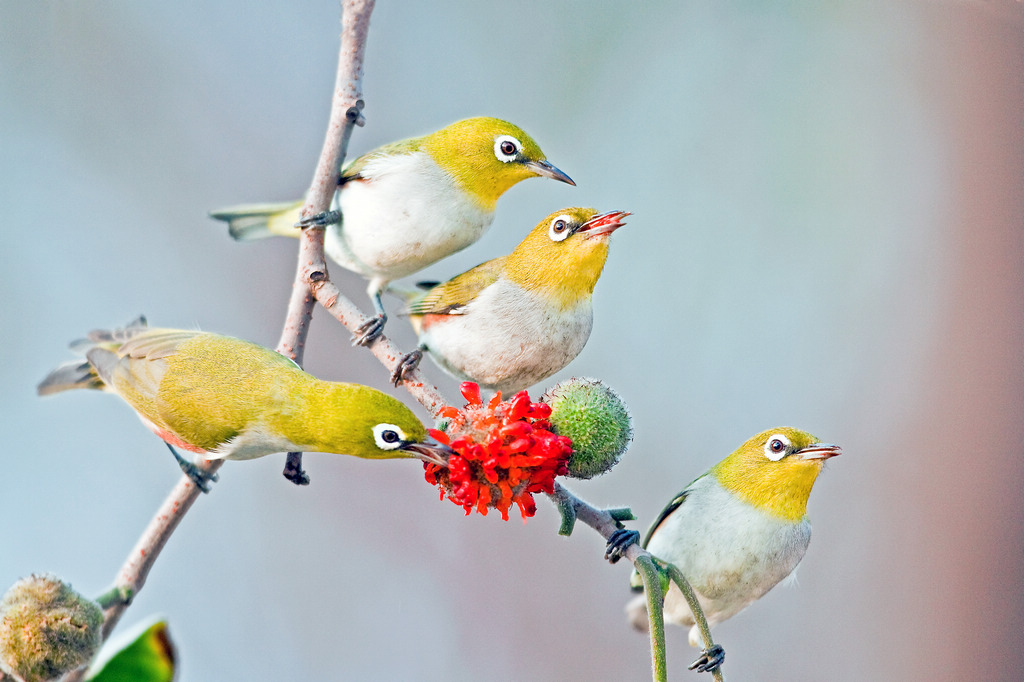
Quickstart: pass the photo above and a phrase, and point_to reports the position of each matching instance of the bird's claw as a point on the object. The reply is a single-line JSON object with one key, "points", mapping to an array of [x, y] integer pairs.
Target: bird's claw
{"points": [[409, 362], [368, 331], [619, 541], [710, 660], [201, 478], [320, 220], [293, 469]]}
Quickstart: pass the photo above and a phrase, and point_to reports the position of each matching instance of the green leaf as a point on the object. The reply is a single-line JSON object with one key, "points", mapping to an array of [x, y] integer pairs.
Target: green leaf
{"points": [[148, 657]]}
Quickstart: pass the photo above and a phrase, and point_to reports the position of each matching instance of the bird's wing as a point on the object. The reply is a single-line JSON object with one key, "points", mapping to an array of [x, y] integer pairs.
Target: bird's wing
{"points": [[448, 298], [136, 367], [666, 512], [354, 170]]}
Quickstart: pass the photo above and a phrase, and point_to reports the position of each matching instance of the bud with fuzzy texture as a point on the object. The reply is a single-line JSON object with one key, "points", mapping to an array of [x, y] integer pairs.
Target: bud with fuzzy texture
{"points": [[46, 629], [594, 417]]}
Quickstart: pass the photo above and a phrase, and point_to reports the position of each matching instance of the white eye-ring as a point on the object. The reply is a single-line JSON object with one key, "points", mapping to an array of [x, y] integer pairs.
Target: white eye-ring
{"points": [[506, 148], [560, 228], [388, 436], [777, 447]]}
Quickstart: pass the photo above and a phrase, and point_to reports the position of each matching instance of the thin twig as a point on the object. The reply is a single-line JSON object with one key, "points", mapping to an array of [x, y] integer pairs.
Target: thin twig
{"points": [[311, 271], [355, 24], [312, 281], [382, 348], [605, 524]]}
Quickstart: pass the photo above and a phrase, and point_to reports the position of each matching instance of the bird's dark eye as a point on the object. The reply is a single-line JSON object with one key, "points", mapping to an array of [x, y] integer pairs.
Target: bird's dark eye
{"points": [[508, 148], [559, 229], [777, 445], [388, 436]]}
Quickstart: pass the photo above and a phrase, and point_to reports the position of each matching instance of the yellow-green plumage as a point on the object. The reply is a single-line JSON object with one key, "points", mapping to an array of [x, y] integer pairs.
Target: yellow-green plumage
{"points": [[739, 529], [411, 203], [233, 399], [457, 149], [565, 273], [778, 488], [516, 320]]}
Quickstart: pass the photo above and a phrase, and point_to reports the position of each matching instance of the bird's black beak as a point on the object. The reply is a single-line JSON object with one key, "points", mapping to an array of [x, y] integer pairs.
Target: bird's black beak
{"points": [[430, 451], [818, 451], [549, 171], [603, 223]]}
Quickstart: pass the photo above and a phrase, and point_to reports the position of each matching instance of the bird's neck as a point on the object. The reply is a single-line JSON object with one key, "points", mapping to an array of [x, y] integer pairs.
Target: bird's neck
{"points": [[472, 172], [565, 278], [779, 491], [310, 416]]}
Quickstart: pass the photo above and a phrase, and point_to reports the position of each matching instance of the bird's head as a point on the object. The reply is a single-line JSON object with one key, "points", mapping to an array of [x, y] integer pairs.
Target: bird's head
{"points": [[374, 425], [775, 471], [563, 256], [486, 156]]}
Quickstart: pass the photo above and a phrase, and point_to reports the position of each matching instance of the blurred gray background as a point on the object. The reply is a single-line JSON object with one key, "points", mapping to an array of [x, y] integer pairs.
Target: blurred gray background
{"points": [[827, 234]]}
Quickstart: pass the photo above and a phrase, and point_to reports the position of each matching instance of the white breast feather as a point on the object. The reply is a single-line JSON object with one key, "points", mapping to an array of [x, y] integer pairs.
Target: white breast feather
{"points": [[407, 214], [731, 552], [508, 339]]}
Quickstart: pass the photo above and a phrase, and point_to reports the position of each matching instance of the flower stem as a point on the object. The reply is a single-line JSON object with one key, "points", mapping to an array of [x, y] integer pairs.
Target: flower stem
{"points": [[655, 605], [676, 576]]}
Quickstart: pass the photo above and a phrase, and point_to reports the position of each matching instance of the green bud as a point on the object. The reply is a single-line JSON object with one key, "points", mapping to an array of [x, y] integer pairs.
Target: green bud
{"points": [[594, 417], [47, 629]]}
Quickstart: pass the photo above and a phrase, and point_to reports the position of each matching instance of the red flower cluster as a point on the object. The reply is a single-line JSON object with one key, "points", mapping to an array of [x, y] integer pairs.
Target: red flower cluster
{"points": [[505, 452]]}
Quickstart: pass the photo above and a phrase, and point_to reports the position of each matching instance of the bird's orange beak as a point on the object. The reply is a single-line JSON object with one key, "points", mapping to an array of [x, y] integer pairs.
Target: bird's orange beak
{"points": [[603, 224], [818, 451]]}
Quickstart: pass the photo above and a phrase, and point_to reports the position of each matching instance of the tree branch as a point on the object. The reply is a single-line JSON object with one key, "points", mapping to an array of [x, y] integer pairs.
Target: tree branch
{"points": [[345, 107], [312, 284]]}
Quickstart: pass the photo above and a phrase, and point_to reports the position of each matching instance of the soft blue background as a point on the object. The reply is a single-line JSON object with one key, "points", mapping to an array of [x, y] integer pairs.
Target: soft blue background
{"points": [[827, 233]]}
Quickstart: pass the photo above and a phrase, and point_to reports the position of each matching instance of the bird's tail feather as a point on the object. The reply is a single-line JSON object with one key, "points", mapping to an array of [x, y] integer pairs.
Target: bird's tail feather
{"points": [[76, 374], [81, 373], [258, 221]]}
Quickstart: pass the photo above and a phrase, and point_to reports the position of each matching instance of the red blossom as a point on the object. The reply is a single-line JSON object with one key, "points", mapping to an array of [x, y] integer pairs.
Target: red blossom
{"points": [[505, 452]]}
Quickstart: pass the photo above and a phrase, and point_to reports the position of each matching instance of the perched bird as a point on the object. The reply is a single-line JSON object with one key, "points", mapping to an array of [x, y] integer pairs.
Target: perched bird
{"points": [[518, 319], [737, 530], [408, 204], [224, 398]]}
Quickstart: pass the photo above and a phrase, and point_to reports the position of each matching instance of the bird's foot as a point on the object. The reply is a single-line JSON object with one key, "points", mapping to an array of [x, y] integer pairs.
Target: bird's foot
{"points": [[201, 478], [710, 660], [293, 469], [618, 542], [320, 220], [409, 362], [368, 332]]}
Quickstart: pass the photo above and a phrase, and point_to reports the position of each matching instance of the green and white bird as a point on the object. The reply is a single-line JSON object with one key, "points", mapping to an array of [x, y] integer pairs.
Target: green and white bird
{"points": [[224, 398], [736, 531], [516, 320], [408, 204]]}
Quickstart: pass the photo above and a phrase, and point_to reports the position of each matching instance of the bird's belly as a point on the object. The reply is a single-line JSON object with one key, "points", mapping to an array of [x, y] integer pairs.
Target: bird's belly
{"points": [[732, 555], [397, 224], [507, 345]]}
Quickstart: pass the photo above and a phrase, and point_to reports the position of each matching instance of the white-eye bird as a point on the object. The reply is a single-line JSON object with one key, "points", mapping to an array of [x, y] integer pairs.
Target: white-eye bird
{"points": [[736, 531], [224, 398], [408, 204], [516, 320]]}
